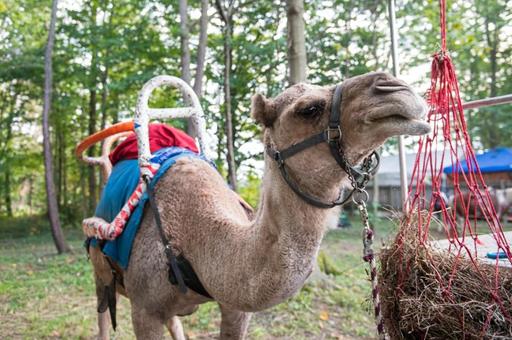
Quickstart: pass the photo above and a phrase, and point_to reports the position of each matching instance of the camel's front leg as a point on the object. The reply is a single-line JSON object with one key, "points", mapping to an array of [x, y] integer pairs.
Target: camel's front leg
{"points": [[234, 323], [145, 325], [104, 325], [176, 328]]}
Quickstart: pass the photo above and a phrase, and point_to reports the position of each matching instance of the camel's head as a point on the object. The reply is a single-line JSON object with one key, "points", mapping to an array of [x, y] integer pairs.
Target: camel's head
{"points": [[374, 107]]}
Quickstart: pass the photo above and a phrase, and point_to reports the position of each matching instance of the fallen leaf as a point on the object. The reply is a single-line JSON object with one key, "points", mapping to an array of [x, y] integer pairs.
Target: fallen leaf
{"points": [[324, 315]]}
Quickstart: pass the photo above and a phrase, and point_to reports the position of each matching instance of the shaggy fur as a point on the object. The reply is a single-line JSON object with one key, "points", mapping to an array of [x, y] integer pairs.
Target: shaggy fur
{"points": [[249, 264]]}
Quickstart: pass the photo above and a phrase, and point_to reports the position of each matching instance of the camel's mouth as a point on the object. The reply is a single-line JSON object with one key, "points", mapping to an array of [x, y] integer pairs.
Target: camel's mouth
{"points": [[402, 123], [403, 113]]}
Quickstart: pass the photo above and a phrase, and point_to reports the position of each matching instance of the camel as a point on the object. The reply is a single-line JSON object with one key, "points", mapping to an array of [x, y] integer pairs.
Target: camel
{"points": [[250, 263]]}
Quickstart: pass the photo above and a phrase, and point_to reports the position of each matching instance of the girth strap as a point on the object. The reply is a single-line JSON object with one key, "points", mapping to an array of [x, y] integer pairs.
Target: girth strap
{"points": [[181, 272]]}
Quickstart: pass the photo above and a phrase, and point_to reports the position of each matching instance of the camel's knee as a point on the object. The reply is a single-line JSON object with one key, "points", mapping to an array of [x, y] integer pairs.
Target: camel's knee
{"points": [[234, 323], [176, 328]]}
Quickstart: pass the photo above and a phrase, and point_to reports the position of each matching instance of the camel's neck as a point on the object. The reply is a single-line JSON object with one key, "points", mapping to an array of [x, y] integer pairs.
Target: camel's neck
{"points": [[288, 232]]}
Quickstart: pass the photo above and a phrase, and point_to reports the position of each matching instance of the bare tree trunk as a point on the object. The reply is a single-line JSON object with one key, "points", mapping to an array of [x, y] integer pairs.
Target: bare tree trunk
{"points": [[227, 16], [201, 49], [184, 35], [53, 209], [93, 115], [104, 94], [7, 192], [4, 151], [296, 41], [492, 43], [229, 114], [60, 165], [90, 152], [105, 73], [30, 194], [64, 193], [185, 55]]}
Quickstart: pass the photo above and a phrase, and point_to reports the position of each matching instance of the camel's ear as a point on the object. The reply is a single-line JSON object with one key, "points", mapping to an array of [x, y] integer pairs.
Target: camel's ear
{"points": [[262, 110]]}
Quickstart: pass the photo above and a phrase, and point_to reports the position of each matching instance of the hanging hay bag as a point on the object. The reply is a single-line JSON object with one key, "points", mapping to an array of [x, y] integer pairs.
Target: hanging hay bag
{"points": [[464, 306]]}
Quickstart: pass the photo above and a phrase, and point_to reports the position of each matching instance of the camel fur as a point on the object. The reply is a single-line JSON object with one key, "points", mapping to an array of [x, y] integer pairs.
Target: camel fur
{"points": [[246, 263]]}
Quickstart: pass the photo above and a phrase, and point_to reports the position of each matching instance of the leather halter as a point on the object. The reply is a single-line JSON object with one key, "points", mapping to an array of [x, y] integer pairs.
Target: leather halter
{"points": [[359, 176]]}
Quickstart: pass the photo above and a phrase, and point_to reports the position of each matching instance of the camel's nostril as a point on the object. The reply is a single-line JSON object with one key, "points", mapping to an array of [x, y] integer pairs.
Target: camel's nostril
{"points": [[390, 85]]}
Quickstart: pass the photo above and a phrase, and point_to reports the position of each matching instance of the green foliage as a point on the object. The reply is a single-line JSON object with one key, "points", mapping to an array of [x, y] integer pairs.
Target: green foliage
{"points": [[110, 48], [250, 189], [326, 264]]}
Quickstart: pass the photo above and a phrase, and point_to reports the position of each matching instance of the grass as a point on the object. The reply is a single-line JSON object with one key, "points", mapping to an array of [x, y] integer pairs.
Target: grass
{"points": [[49, 296]]}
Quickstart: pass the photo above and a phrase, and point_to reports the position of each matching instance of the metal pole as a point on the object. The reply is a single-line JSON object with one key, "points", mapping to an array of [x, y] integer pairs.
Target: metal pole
{"points": [[488, 102], [396, 71]]}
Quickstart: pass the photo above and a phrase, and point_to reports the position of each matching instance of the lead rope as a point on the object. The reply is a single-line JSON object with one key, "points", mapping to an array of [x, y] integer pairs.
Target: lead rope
{"points": [[360, 197], [369, 256]]}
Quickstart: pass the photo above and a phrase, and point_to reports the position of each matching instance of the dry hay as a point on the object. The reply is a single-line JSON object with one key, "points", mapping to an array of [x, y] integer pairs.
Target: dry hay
{"points": [[418, 309]]}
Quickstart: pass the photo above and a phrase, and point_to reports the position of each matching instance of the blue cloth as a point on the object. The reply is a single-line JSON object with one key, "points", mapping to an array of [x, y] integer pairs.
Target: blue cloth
{"points": [[122, 182], [493, 160]]}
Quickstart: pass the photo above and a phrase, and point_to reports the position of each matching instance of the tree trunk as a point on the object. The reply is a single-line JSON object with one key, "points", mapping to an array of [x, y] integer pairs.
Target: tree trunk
{"points": [[30, 194], [104, 94], [4, 158], [64, 193], [492, 43], [296, 41], [7, 192], [53, 209], [185, 55], [227, 102], [201, 48], [226, 16], [184, 35], [60, 164], [90, 152], [93, 115]]}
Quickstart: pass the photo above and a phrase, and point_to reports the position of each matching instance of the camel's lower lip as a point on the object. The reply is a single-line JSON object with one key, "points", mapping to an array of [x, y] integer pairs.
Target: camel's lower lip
{"points": [[415, 127], [400, 125], [420, 127], [392, 118]]}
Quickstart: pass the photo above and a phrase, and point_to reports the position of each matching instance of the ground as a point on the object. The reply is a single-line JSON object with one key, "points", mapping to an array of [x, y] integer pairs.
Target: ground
{"points": [[49, 296]]}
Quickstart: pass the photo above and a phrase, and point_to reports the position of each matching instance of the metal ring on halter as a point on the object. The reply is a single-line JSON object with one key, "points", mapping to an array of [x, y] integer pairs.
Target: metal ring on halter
{"points": [[360, 196]]}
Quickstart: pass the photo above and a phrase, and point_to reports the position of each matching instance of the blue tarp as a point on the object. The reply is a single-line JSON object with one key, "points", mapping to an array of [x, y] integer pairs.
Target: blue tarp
{"points": [[120, 185], [493, 160]]}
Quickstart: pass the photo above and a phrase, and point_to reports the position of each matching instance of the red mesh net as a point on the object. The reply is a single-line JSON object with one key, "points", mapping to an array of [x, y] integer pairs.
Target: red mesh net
{"points": [[469, 214]]}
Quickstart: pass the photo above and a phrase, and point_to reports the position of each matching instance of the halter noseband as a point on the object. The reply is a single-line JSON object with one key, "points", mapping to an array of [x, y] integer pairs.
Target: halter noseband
{"points": [[359, 176]]}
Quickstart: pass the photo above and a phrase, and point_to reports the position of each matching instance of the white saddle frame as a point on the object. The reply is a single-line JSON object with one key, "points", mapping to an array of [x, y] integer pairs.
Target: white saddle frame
{"points": [[143, 115]]}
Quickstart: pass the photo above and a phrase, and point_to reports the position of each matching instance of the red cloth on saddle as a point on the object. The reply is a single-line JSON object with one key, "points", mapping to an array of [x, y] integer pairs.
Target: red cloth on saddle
{"points": [[160, 136]]}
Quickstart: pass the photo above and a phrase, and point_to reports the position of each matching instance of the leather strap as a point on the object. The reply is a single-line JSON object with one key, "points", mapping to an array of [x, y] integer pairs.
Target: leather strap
{"points": [[332, 136], [175, 275], [310, 199], [296, 148], [181, 272]]}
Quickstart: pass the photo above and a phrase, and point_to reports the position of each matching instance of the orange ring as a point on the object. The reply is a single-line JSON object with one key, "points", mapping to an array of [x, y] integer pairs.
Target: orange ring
{"points": [[101, 135]]}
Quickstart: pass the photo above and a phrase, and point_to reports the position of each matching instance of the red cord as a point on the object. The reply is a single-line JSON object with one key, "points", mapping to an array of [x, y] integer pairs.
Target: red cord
{"points": [[448, 143]]}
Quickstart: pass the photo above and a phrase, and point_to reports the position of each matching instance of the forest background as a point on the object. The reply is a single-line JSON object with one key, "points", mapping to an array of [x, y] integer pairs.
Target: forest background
{"points": [[104, 51]]}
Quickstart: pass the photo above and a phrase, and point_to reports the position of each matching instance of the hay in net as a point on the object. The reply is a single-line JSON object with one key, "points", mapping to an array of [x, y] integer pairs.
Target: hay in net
{"points": [[428, 293], [435, 293]]}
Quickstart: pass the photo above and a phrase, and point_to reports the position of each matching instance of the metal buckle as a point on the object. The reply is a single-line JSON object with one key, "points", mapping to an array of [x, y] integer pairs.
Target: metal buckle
{"points": [[336, 130], [278, 158]]}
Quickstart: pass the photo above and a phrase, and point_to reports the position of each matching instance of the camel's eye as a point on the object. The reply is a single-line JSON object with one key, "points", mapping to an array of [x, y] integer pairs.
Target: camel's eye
{"points": [[312, 110]]}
